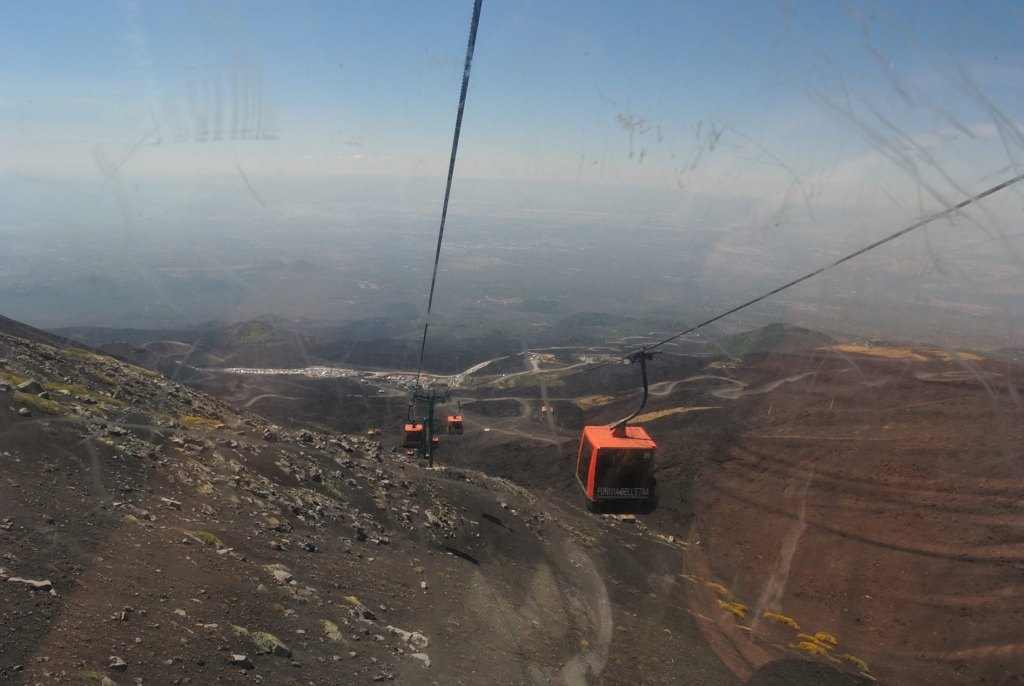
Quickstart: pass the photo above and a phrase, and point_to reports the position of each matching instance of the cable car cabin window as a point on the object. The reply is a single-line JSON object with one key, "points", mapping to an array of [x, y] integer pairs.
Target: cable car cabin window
{"points": [[623, 473], [583, 462]]}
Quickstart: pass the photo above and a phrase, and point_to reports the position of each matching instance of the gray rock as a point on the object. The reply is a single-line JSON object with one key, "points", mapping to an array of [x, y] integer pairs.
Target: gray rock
{"points": [[368, 614], [432, 520], [107, 681], [31, 386], [282, 576], [36, 585], [117, 664], [45, 395], [25, 412], [402, 634], [419, 641], [281, 650], [242, 661], [422, 657]]}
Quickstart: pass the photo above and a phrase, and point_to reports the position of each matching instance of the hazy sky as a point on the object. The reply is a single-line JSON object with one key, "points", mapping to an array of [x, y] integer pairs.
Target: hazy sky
{"points": [[796, 130], [767, 97]]}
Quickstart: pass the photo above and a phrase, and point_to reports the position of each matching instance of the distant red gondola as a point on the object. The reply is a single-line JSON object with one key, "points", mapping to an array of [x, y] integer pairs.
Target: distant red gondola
{"points": [[413, 436], [455, 424]]}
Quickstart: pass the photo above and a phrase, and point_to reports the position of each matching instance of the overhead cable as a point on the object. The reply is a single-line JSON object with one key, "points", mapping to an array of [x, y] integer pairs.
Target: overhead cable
{"points": [[451, 172], [927, 219]]}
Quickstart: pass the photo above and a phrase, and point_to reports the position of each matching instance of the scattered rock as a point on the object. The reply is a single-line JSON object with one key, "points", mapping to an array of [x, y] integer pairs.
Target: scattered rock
{"points": [[36, 585], [31, 386], [117, 664], [242, 661], [282, 576], [404, 635], [368, 614], [269, 643], [422, 657], [24, 412], [107, 681]]}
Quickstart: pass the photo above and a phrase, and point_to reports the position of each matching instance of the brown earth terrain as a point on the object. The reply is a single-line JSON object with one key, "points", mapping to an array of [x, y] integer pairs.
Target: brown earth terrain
{"points": [[873, 502]]}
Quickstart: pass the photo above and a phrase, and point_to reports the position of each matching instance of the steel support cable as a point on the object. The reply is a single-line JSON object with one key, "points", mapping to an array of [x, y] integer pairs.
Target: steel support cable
{"points": [[451, 172], [927, 219]]}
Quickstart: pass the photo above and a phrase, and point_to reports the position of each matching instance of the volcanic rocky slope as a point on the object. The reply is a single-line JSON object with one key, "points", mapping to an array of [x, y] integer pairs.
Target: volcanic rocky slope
{"points": [[154, 534], [150, 533]]}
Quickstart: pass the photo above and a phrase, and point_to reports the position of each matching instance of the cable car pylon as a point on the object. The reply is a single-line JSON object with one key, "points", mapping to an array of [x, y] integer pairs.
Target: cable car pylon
{"points": [[423, 426]]}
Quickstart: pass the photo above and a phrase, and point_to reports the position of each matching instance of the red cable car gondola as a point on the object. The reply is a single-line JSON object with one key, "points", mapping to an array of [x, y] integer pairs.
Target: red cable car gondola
{"points": [[455, 422], [616, 463], [413, 436]]}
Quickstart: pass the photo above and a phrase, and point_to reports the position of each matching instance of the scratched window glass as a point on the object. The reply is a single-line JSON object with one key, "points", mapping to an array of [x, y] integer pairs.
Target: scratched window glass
{"points": [[511, 342]]}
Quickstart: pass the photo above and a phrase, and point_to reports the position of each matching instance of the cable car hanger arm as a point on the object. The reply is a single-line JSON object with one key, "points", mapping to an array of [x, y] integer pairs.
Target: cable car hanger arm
{"points": [[642, 356]]}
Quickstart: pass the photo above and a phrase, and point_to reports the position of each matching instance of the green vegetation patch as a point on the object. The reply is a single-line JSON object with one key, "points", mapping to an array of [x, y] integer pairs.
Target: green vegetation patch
{"points": [[739, 610], [257, 333], [263, 641], [329, 627], [199, 422], [40, 404], [80, 354], [855, 661], [824, 637], [812, 648], [717, 588], [147, 372], [207, 538], [13, 380], [775, 338], [782, 619], [73, 388], [530, 381]]}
